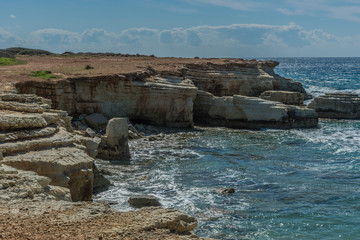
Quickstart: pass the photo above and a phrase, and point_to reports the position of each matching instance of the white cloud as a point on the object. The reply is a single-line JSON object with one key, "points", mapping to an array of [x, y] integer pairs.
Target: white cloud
{"points": [[12, 16], [344, 9], [8, 39], [236, 40]]}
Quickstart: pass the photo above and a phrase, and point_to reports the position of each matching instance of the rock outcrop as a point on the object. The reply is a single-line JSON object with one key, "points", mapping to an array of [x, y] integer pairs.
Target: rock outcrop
{"points": [[140, 201], [337, 106], [285, 97], [248, 78], [114, 145], [250, 112], [35, 138], [20, 185], [140, 96]]}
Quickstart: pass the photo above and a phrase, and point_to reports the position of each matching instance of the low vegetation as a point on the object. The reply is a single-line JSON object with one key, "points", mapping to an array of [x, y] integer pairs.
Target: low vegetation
{"points": [[43, 74], [27, 51], [88, 67], [9, 61]]}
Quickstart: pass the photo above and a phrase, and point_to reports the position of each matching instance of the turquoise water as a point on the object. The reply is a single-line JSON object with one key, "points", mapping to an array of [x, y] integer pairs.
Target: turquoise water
{"points": [[290, 184]]}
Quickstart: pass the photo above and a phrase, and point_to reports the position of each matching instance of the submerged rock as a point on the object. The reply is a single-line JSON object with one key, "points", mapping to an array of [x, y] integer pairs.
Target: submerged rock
{"points": [[337, 106], [139, 201]]}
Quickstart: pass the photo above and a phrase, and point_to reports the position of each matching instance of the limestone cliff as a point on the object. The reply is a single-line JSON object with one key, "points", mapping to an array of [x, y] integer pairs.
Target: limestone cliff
{"points": [[138, 96], [36, 138], [163, 97], [250, 112], [248, 78], [337, 106]]}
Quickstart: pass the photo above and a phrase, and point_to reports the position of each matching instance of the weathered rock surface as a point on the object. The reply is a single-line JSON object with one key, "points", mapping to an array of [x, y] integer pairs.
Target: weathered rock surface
{"points": [[140, 96], [18, 184], [140, 201], [250, 112], [114, 145], [248, 78], [38, 140], [83, 220], [285, 97], [337, 106]]}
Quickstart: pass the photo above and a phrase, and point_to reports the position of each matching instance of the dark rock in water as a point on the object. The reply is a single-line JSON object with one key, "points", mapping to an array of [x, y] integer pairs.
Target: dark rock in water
{"points": [[100, 182], [227, 191], [139, 201]]}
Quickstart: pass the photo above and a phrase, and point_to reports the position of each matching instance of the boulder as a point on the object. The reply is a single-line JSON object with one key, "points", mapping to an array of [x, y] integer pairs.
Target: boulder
{"points": [[285, 97], [96, 121], [337, 106], [114, 145], [139, 201], [250, 112]]}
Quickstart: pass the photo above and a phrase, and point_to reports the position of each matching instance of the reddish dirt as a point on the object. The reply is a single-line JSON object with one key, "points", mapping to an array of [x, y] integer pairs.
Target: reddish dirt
{"points": [[74, 66]]}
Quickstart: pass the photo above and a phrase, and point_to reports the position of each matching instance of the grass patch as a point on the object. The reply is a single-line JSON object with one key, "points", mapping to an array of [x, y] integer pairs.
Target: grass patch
{"points": [[9, 61], [43, 74]]}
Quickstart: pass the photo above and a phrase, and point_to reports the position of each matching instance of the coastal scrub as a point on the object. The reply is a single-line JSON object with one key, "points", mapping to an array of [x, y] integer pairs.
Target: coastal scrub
{"points": [[10, 61], [43, 74]]}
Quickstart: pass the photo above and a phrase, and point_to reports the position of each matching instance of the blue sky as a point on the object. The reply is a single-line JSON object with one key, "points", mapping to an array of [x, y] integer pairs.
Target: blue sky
{"points": [[185, 28]]}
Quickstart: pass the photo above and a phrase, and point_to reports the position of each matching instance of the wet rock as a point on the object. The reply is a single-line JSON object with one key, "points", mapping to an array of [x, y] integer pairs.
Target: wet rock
{"points": [[139, 201], [100, 182], [227, 191]]}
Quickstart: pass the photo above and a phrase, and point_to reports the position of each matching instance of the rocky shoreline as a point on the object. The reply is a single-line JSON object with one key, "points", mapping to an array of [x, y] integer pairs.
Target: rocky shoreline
{"points": [[47, 168]]}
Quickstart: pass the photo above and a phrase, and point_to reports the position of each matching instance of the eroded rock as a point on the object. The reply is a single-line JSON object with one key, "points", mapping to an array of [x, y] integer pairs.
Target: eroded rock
{"points": [[285, 97], [140, 201], [114, 145], [250, 112], [337, 106]]}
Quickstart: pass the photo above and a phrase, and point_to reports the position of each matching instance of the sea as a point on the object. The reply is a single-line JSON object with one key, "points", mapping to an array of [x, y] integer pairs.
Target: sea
{"points": [[289, 184]]}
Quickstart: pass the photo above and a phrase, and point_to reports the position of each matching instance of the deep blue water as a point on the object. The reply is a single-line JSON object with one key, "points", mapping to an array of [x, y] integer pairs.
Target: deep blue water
{"points": [[290, 184]]}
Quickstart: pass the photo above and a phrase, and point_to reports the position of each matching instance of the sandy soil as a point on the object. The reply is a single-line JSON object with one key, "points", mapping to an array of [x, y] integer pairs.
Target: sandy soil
{"points": [[74, 66]]}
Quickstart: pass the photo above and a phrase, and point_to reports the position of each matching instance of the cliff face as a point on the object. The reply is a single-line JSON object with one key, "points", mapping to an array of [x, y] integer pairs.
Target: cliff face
{"points": [[138, 96], [248, 78], [35, 138], [163, 97]]}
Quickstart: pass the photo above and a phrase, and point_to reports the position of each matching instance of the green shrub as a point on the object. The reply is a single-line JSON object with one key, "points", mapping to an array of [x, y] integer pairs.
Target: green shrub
{"points": [[88, 67], [9, 61], [43, 74]]}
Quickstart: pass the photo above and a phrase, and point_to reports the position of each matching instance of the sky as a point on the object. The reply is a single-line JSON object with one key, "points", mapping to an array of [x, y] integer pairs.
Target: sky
{"points": [[185, 28]]}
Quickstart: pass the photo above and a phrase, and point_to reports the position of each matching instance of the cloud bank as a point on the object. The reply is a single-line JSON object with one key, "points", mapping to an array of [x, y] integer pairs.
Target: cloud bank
{"points": [[236, 40]]}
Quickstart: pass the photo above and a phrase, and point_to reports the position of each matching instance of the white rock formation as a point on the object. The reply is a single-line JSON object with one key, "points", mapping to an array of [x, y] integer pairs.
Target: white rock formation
{"points": [[337, 106], [115, 144], [250, 112]]}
